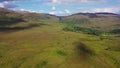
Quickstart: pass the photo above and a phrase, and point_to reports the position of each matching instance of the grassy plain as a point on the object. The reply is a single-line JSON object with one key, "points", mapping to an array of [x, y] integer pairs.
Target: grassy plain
{"points": [[49, 46]]}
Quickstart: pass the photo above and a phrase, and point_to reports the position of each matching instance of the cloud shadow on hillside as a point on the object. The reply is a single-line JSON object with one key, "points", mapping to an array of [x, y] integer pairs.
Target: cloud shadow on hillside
{"points": [[18, 28]]}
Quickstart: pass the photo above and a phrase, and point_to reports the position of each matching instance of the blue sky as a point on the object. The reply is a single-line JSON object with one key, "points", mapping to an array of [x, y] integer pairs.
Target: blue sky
{"points": [[63, 7]]}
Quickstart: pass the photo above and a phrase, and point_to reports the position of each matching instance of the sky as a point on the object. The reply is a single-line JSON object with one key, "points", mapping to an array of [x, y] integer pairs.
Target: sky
{"points": [[63, 7]]}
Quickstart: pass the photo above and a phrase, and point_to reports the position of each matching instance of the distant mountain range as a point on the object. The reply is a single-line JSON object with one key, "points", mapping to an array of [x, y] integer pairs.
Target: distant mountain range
{"points": [[5, 10]]}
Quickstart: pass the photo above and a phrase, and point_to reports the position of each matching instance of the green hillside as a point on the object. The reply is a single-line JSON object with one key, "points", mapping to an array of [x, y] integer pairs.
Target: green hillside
{"points": [[100, 21], [47, 41]]}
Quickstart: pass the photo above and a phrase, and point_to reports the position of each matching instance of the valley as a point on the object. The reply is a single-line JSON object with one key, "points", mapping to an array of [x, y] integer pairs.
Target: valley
{"points": [[83, 40]]}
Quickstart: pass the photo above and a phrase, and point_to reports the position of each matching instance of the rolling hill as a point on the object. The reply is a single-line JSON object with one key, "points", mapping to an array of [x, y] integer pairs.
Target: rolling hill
{"points": [[102, 21], [82, 40]]}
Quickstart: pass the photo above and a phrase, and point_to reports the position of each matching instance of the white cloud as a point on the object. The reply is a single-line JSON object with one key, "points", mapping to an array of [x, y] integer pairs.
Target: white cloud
{"points": [[73, 2], [27, 10], [67, 11], [53, 8], [8, 4], [114, 9], [31, 11], [56, 12], [1, 5], [17, 0], [40, 11], [64, 3], [60, 13], [55, 1]]}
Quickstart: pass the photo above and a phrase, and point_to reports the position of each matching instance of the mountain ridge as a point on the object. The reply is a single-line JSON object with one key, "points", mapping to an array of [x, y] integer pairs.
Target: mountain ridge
{"points": [[80, 13], [100, 21]]}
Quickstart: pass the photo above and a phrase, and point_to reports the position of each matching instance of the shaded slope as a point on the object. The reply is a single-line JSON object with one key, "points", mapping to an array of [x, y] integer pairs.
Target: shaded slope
{"points": [[9, 17]]}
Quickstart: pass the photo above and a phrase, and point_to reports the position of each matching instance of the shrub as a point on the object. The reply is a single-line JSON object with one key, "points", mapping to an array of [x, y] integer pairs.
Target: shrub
{"points": [[115, 31], [81, 29], [62, 53], [42, 64]]}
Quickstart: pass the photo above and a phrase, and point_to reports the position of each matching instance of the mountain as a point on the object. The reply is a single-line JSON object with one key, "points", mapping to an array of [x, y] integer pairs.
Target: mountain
{"points": [[101, 21], [39, 40], [8, 17], [13, 20], [5, 10], [98, 21]]}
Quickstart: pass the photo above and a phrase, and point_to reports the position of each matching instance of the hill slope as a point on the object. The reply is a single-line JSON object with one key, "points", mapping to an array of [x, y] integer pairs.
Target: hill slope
{"points": [[40, 41], [102, 21]]}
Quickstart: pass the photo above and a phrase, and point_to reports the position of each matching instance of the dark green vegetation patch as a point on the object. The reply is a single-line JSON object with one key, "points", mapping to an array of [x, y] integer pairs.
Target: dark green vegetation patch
{"points": [[82, 29], [62, 53]]}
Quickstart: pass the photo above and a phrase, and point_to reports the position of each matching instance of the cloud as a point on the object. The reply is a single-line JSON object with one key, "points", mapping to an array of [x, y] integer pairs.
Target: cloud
{"points": [[60, 13], [32, 11], [66, 4], [67, 11], [27, 10], [1, 5], [114, 9], [110, 9], [53, 8], [73, 2], [8, 4], [17, 0]]}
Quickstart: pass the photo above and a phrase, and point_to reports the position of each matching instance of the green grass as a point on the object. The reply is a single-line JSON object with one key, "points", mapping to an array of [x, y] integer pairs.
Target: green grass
{"points": [[62, 53], [41, 64], [49, 46]]}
